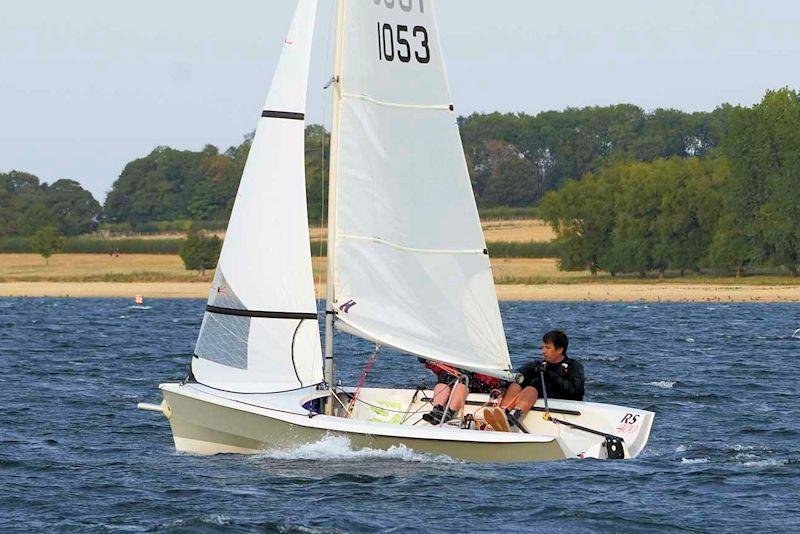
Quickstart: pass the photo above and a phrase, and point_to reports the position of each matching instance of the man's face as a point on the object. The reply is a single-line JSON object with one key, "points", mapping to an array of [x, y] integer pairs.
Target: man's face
{"points": [[551, 354]]}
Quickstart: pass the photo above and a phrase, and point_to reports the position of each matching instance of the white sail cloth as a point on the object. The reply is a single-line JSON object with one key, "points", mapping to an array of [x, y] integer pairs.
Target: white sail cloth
{"points": [[411, 269], [260, 333]]}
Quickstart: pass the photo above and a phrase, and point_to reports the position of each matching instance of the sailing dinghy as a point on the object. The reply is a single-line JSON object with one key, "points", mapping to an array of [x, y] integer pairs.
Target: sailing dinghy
{"points": [[407, 268]]}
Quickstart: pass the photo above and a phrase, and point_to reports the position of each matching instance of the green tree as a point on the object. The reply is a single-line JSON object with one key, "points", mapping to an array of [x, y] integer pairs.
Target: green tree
{"points": [[200, 252], [21, 208], [72, 207], [513, 180], [33, 215], [169, 185], [26, 205], [157, 187], [763, 146], [582, 215], [47, 241], [730, 246], [638, 217], [690, 206], [634, 246], [564, 145], [317, 168]]}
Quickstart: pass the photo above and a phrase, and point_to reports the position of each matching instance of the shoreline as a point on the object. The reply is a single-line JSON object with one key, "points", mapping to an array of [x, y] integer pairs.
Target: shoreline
{"points": [[590, 292]]}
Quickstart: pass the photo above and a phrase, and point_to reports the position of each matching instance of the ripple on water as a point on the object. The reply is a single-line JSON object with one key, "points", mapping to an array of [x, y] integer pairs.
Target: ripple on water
{"points": [[74, 451], [662, 384]]}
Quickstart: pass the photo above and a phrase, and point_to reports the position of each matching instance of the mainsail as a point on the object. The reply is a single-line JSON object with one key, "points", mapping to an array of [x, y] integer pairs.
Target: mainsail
{"points": [[411, 268], [260, 331]]}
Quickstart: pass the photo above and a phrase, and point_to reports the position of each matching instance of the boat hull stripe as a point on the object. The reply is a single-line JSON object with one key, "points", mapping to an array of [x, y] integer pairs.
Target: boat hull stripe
{"points": [[283, 115], [264, 314]]}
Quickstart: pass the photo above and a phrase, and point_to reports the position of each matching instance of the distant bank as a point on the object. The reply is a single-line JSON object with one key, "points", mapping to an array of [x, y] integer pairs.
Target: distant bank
{"points": [[164, 276], [654, 292]]}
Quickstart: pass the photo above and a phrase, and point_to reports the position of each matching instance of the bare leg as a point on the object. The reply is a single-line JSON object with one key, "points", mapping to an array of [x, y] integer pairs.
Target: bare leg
{"points": [[518, 398], [459, 397], [509, 399], [526, 400], [441, 394]]}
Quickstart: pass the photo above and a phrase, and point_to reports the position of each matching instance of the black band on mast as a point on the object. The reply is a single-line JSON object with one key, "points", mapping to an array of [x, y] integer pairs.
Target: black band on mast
{"points": [[263, 314], [283, 115]]}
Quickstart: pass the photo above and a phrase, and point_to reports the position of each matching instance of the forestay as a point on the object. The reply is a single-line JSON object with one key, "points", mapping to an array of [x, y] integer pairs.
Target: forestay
{"points": [[411, 267], [260, 331]]}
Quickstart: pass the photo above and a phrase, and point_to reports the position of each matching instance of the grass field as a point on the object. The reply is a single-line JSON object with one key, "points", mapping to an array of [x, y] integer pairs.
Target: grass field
{"points": [[523, 238], [515, 230], [163, 275], [101, 275], [154, 237], [518, 231], [96, 268]]}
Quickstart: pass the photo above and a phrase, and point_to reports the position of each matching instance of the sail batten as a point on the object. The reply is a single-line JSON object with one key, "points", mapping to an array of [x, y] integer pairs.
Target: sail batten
{"points": [[261, 313], [366, 98], [272, 114], [412, 249]]}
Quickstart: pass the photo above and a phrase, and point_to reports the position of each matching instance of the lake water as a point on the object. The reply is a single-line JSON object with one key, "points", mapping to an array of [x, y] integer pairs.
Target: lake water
{"points": [[76, 455]]}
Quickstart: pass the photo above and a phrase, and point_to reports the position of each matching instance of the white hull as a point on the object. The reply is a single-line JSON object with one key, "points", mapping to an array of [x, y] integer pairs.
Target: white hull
{"points": [[209, 421]]}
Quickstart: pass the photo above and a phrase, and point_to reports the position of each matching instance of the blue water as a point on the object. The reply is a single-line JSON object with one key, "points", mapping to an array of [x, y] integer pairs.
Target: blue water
{"points": [[75, 454]]}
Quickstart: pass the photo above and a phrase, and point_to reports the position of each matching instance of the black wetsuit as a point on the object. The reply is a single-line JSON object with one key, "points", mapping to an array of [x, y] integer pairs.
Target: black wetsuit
{"points": [[564, 380]]}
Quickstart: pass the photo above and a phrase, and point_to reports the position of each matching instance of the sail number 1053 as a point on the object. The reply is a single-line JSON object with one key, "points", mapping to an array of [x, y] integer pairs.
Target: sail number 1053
{"points": [[393, 43], [405, 5]]}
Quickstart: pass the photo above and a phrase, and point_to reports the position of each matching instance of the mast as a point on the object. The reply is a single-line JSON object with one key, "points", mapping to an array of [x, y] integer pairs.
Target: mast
{"points": [[332, 197]]}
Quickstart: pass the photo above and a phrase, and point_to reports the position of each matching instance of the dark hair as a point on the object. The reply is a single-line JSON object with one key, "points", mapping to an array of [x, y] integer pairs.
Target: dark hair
{"points": [[558, 339]]}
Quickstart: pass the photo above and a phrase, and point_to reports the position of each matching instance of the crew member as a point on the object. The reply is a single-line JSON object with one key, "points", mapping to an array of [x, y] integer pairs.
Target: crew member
{"points": [[563, 379], [451, 381]]}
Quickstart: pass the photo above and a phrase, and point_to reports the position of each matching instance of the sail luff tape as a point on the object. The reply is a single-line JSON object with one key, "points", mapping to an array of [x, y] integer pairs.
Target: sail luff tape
{"points": [[261, 314], [412, 249], [443, 107], [283, 115]]}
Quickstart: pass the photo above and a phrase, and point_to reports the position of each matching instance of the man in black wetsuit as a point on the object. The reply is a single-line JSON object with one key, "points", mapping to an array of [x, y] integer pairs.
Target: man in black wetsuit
{"points": [[563, 379]]}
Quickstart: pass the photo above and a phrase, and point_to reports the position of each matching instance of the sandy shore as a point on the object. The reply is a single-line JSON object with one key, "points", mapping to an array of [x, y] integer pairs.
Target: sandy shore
{"points": [[667, 292], [105, 289], [81, 275]]}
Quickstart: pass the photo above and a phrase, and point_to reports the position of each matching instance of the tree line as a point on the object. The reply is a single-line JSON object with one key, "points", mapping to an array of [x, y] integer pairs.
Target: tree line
{"points": [[627, 190], [169, 184], [514, 159], [27, 206], [735, 206]]}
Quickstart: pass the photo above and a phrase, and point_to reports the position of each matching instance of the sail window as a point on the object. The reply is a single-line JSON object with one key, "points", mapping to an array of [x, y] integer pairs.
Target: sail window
{"points": [[223, 340]]}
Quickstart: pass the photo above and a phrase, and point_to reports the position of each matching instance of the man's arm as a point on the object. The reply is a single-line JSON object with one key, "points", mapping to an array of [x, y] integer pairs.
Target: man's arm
{"points": [[531, 372], [572, 382]]}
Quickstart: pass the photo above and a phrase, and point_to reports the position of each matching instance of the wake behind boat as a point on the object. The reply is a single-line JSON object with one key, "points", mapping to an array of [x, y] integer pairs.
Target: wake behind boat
{"points": [[407, 268]]}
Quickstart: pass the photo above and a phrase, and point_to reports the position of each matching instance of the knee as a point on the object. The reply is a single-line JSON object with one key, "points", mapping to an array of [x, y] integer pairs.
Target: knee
{"points": [[440, 391]]}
